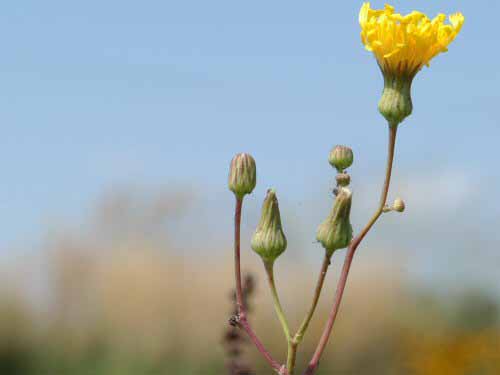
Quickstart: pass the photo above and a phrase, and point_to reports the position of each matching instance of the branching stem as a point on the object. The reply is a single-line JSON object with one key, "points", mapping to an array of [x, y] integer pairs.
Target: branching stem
{"points": [[313, 364], [297, 338], [317, 292]]}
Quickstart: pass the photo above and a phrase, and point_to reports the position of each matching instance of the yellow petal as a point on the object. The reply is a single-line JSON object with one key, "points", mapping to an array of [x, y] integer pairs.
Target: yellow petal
{"points": [[409, 41]]}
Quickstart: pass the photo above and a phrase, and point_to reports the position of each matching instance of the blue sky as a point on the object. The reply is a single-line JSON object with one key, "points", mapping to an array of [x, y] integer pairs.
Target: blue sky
{"points": [[99, 94]]}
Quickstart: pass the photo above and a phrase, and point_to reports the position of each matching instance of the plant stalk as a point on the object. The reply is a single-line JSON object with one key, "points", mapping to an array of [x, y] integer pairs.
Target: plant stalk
{"points": [[319, 286], [313, 364], [269, 266], [297, 338]]}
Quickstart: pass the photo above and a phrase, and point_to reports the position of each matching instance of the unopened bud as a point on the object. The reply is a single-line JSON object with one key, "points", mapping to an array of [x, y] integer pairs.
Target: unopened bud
{"points": [[343, 179], [336, 231], [398, 205], [269, 241], [242, 175], [341, 157]]}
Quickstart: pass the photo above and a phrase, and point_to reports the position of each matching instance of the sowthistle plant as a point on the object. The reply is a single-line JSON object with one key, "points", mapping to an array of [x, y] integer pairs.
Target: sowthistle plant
{"points": [[402, 45]]}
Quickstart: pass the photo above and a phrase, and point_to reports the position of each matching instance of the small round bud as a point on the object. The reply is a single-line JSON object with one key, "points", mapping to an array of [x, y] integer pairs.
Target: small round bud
{"points": [[341, 157], [398, 205], [336, 231], [269, 241], [242, 175], [343, 179]]}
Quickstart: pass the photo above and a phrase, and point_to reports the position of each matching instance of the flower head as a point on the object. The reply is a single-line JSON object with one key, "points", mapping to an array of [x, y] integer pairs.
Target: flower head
{"points": [[404, 44], [336, 231], [341, 157], [242, 175]]}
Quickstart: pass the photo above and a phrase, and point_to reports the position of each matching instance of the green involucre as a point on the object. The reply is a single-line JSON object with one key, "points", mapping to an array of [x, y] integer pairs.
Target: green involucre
{"points": [[336, 231], [242, 175], [395, 104], [341, 157], [269, 241]]}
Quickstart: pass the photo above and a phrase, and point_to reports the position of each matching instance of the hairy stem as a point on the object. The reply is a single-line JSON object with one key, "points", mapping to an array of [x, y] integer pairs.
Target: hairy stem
{"points": [[313, 364], [242, 316]]}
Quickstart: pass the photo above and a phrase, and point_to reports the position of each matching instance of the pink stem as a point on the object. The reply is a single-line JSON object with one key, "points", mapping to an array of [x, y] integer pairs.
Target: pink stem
{"points": [[313, 364], [242, 315]]}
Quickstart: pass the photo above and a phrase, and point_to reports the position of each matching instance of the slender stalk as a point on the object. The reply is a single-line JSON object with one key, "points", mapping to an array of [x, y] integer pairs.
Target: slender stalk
{"points": [[291, 357], [242, 316], [313, 364], [237, 257], [297, 338], [269, 266], [319, 286]]}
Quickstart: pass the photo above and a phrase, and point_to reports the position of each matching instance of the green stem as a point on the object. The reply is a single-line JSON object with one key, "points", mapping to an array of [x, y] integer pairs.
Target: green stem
{"points": [[269, 266], [319, 286], [297, 338], [291, 357]]}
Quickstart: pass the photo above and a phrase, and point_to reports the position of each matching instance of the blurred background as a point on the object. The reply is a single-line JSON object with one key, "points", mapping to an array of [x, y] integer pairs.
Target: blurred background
{"points": [[119, 119]]}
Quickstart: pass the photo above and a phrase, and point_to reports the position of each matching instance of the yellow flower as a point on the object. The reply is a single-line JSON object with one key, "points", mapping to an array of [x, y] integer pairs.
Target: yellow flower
{"points": [[404, 44]]}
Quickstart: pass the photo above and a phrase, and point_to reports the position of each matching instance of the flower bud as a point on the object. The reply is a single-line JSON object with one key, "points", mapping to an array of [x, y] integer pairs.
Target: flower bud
{"points": [[269, 241], [343, 179], [341, 157], [336, 231], [242, 175], [398, 205]]}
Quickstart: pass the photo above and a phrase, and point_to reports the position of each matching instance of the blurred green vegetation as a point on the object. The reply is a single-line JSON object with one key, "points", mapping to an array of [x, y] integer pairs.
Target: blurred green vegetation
{"points": [[130, 304], [133, 327]]}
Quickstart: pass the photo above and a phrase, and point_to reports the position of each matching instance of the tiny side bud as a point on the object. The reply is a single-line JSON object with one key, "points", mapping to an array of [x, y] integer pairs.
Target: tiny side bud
{"points": [[269, 241], [242, 175], [341, 157], [398, 205]]}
